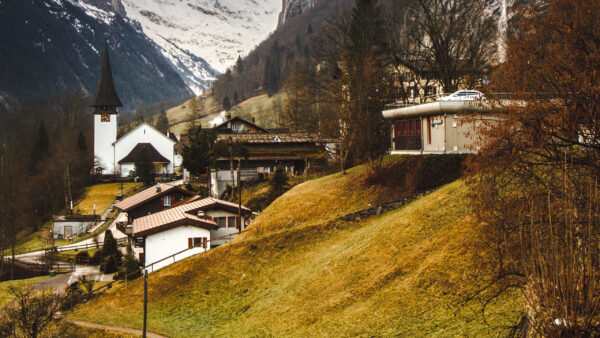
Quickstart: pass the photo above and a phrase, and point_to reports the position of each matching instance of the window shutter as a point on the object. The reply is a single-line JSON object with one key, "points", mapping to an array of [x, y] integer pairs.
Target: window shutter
{"points": [[204, 242], [162, 201], [190, 243]]}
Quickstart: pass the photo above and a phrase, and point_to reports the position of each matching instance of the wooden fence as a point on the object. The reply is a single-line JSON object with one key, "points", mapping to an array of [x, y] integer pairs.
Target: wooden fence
{"points": [[139, 272]]}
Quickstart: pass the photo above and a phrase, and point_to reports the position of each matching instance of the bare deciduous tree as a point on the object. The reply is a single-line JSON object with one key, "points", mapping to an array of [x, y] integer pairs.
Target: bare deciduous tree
{"points": [[449, 41]]}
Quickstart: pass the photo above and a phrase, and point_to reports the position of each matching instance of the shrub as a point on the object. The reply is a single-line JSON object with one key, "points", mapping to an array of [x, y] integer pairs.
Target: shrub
{"points": [[97, 259], [110, 264], [110, 244], [82, 257]]}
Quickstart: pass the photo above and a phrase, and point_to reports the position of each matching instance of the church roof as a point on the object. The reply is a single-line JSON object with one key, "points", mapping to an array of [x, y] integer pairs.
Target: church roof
{"points": [[154, 155], [142, 125], [106, 95]]}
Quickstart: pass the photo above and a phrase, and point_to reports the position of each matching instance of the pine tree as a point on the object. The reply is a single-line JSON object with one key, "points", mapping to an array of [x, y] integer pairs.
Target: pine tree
{"points": [[110, 244], [144, 168], [198, 155], [239, 65], [279, 183], [162, 122], [81, 143], [41, 145], [226, 103]]}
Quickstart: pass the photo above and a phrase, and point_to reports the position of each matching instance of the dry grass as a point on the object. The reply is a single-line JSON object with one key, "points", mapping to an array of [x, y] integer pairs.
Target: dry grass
{"points": [[5, 295], [307, 274], [263, 108], [103, 195]]}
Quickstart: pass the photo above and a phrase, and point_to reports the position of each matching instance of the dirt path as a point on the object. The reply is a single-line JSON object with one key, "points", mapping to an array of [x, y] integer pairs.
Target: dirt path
{"points": [[111, 328]]}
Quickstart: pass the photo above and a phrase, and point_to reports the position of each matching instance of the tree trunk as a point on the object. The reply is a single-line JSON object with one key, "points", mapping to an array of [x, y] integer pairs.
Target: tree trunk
{"points": [[239, 177], [208, 182], [231, 166]]}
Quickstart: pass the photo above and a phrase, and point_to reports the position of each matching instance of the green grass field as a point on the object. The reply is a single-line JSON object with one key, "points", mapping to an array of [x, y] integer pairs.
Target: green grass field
{"points": [[306, 273]]}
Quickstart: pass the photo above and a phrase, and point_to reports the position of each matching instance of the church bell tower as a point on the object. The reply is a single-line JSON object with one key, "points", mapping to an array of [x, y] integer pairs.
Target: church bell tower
{"points": [[105, 103]]}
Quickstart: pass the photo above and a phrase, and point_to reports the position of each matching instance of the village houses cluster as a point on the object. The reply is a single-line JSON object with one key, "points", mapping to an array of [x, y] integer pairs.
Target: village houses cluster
{"points": [[167, 223]]}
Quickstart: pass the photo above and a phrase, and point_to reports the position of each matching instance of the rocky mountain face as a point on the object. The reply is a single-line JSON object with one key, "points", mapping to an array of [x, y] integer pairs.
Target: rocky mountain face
{"points": [[215, 30], [291, 8], [55, 45]]}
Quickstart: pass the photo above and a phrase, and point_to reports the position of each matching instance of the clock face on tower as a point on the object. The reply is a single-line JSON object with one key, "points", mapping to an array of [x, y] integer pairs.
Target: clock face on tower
{"points": [[105, 118]]}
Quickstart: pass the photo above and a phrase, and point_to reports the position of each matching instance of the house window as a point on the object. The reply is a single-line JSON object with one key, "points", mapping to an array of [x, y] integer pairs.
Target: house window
{"points": [[197, 242], [231, 221], [222, 222], [166, 201]]}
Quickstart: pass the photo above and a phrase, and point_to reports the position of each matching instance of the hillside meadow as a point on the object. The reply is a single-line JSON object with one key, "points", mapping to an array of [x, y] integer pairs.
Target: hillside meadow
{"points": [[300, 271]]}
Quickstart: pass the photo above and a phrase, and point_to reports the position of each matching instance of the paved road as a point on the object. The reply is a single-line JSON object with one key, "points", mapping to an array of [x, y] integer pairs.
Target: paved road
{"points": [[60, 282]]}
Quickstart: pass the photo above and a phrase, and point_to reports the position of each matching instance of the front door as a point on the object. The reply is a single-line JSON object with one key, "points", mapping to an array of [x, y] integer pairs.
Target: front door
{"points": [[68, 231]]}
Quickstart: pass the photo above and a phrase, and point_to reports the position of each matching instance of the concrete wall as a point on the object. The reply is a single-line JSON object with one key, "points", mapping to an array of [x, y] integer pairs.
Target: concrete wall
{"points": [[169, 242], [223, 231], [105, 134], [78, 228], [144, 133], [462, 132], [450, 133]]}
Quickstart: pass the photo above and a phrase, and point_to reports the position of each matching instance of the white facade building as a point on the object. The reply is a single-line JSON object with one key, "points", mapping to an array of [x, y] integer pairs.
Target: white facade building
{"points": [[118, 156], [169, 242]]}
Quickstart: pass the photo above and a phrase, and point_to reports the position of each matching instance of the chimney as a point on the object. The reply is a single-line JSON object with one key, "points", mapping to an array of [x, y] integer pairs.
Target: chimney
{"points": [[253, 119], [158, 189], [228, 116], [168, 134]]}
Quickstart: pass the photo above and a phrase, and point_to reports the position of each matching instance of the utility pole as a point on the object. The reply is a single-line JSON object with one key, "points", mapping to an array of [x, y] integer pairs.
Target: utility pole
{"points": [[145, 301]]}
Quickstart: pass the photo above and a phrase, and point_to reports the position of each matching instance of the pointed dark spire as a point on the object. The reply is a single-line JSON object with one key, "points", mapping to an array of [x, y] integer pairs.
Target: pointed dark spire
{"points": [[106, 98]]}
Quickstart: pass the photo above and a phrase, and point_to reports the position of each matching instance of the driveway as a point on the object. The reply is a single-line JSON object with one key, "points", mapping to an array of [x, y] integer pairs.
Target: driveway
{"points": [[60, 282]]}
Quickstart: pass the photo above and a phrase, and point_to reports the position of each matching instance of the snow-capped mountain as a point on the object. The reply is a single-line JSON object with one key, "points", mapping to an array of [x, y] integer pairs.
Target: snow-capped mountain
{"points": [[215, 30], [56, 45]]}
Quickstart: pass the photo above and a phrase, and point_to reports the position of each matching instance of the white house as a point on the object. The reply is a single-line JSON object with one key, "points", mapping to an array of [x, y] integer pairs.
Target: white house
{"points": [[171, 235], [228, 216], [117, 156], [144, 138], [197, 225]]}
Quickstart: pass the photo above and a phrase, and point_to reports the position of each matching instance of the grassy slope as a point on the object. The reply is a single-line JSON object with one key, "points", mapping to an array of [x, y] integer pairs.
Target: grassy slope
{"points": [[309, 274], [5, 295], [261, 107], [103, 195]]}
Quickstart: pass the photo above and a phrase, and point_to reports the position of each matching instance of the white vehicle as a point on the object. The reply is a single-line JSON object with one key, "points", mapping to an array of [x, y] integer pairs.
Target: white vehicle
{"points": [[463, 95]]}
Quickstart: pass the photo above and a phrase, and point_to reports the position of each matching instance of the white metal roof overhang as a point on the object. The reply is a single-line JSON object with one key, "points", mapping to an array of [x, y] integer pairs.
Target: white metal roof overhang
{"points": [[438, 108]]}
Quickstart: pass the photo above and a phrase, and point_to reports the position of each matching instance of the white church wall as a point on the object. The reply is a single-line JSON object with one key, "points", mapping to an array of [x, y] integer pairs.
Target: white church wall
{"points": [[144, 133], [105, 134]]}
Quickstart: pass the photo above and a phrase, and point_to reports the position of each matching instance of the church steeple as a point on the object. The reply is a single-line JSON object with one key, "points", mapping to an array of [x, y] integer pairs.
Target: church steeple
{"points": [[106, 98]]}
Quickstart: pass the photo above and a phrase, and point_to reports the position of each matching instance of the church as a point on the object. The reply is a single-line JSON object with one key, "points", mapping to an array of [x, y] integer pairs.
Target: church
{"points": [[117, 156]]}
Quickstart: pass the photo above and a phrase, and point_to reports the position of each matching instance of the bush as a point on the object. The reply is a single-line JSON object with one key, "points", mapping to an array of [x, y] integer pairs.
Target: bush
{"points": [[98, 257], [110, 264], [110, 244], [82, 257]]}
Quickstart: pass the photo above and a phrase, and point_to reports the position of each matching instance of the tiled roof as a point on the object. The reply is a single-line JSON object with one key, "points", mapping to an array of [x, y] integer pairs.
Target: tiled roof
{"points": [[183, 215], [207, 203], [168, 219], [271, 138], [143, 196]]}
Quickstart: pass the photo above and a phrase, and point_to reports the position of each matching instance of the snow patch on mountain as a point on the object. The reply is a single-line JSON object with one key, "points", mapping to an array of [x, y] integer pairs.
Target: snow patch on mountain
{"points": [[290, 8], [214, 30]]}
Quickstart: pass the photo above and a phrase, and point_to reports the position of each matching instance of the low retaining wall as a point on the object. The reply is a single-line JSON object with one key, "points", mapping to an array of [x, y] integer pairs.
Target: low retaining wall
{"points": [[381, 209]]}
